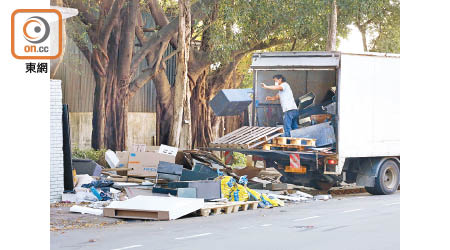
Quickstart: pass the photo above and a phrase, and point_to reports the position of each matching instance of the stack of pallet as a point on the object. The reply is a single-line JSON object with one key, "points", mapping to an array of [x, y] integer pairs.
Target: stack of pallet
{"points": [[267, 138], [289, 143]]}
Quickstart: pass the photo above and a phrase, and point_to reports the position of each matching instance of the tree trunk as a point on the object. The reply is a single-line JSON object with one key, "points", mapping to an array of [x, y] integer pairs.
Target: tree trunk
{"points": [[201, 122], [98, 114], [112, 70], [364, 38], [332, 28], [181, 81]]}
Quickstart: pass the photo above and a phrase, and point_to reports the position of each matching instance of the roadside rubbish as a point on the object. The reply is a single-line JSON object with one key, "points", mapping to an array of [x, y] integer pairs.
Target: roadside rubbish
{"points": [[103, 183], [85, 210], [85, 197], [303, 194], [101, 196], [287, 197], [164, 149], [83, 179], [111, 158], [206, 189], [162, 186], [86, 166], [323, 197], [133, 191]]}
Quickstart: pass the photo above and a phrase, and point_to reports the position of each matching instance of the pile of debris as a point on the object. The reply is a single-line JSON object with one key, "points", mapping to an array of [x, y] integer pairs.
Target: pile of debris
{"points": [[163, 183]]}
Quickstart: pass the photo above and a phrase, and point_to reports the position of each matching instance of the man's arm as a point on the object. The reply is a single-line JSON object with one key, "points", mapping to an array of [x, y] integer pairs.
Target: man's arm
{"points": [[273, 98], [272, 87]]}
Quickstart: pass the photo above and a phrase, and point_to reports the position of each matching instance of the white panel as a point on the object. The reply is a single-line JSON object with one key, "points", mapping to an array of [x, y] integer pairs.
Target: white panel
{"points": [[176, 206], [369, 106]]}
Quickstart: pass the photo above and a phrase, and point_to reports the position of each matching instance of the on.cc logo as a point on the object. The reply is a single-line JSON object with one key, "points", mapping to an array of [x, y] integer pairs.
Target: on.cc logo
{"points": [[39, 26]]}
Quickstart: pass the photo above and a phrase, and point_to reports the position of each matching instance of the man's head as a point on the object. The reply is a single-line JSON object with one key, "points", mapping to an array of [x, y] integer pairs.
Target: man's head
{"points": [[279, 79]]}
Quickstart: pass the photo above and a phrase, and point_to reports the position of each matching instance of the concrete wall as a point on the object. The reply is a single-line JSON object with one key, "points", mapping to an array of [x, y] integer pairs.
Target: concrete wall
{"points": [[141, 128], [56, 142]]}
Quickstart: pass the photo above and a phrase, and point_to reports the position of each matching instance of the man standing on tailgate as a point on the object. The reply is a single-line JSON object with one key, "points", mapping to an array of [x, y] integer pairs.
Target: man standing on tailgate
{"points": [[290, 111]]}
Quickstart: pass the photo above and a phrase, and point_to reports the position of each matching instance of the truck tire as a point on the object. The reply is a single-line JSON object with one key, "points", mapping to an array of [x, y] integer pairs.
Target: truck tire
{"points": [[387, 180]]}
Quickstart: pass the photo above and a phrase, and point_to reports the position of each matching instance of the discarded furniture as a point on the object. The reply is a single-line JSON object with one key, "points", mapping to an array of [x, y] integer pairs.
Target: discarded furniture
{"points": [[230, 102]]}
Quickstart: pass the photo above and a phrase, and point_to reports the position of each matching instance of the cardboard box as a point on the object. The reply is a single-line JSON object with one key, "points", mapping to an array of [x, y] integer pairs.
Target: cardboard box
{"points": [[145, 164], [123, 158], [123, 161], [152, 149]]}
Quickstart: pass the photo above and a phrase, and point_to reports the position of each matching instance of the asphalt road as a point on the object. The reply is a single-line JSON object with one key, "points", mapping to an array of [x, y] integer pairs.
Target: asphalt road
{"points": [[360, 222]]}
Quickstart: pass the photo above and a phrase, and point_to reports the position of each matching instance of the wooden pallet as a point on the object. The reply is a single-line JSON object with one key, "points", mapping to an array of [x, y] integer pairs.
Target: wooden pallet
{"points": [[227, 207], [282, 147], [247, 137], [305, 142]]}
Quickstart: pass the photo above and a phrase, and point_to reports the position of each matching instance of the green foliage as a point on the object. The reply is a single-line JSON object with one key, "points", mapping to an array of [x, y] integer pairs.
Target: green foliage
{"points": [[92, 154], [245, 25], [387, 31], [379, 19], [242, 24], [170, 7], [239, 160], [77, 31]]}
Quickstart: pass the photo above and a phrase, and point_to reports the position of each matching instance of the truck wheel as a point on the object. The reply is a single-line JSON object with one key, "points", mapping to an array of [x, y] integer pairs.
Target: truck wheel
{"points": [[387, 180]]}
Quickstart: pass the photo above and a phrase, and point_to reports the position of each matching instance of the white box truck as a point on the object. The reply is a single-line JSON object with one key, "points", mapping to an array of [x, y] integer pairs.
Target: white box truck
{"points": [[364, 143]]}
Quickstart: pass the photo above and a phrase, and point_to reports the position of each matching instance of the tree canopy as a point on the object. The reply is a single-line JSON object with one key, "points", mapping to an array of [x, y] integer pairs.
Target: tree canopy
{"points": [[379, 19]]}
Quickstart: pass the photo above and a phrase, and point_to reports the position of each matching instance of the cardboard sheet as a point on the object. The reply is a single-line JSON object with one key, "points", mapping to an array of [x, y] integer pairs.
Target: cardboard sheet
{"points": [[153, 207]]}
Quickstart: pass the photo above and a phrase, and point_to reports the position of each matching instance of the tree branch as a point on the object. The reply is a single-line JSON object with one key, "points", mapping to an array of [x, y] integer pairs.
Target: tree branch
{"points": [[166, 32], [85, 16], [111, 20], [160, 18], [223, 75], [149, 73], [127, 43]]}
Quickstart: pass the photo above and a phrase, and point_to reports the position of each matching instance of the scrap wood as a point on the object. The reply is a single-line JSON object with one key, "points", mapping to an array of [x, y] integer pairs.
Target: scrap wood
{"points": [[131, 179], [123, 178], [205, 156], [113, 175], [249, 171], [115, 169]]}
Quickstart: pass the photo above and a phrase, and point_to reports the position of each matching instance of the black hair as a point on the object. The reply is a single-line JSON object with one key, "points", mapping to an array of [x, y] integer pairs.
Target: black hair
{"points": [[279, 77]]}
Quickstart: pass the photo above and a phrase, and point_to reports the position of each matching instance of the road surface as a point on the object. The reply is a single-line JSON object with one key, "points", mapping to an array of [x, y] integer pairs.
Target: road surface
{"points": [[360, 222]]}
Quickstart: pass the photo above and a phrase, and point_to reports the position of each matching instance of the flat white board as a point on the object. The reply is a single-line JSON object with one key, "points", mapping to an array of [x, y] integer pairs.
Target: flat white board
{"points": [[175, 206]]}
